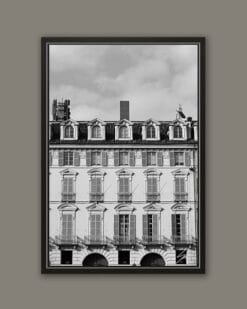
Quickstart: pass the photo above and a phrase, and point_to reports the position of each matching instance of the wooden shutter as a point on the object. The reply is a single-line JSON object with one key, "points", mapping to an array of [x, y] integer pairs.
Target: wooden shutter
{"points": [[116, 226], [132, 158], [182, 185], [50, 158], [60, 157], [145, 227], [160, 158], [104, 158], [93, 185], [88, 157], [177, 185], [174, 230], [132, 227], [67, 226], [155, 227], [95, 227], [92, 227], [172, 158], [183, 225], [116, 158], [77, 158], [144, 158], [187, 158]]}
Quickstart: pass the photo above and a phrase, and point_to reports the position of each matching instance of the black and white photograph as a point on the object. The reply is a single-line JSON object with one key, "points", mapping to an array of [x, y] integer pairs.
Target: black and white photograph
{"points": [[123, 155]]}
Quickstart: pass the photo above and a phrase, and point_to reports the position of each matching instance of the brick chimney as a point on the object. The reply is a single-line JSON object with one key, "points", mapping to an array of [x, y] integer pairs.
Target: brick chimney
{"points": [[124, 110]]}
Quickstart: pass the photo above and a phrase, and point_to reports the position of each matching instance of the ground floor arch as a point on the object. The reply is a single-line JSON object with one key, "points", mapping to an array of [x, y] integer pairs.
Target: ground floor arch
{"points": [[95, 260], [152, 260]]}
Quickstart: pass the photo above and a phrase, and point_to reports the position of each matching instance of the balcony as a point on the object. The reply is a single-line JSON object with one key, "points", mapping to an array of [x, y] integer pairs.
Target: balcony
{"points": [[68, 197], [96, 197], [124, 197], [66, 241], [150, 240], [124, 240], [154, 197], [93, 241], [183, 240], [181, 197]]}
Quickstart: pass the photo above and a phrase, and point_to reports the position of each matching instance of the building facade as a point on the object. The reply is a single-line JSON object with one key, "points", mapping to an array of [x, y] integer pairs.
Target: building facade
{"points": [[122, 193]]}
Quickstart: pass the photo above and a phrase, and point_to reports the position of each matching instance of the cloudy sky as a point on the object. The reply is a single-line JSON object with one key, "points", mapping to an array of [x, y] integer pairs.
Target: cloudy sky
{"points": [[154, 78]]}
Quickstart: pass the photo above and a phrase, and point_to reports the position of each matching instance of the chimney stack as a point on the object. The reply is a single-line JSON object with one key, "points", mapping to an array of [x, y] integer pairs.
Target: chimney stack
{"points": [[124, 110], [61, 110]]}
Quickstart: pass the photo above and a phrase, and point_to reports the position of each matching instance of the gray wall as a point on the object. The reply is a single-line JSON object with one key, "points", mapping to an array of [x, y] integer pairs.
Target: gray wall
{"points": [[22, 23]]}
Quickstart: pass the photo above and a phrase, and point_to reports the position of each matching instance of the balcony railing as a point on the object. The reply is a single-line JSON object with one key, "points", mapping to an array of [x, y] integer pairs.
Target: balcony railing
{"points": [[68, 197], [183, 239], [90, 240], [153, 197], [96, 197], [152, 240], [124, 240], [124, 197], [181, 197], [66, 240]]}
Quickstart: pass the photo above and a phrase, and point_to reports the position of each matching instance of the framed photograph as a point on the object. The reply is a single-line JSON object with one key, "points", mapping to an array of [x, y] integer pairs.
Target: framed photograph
{"points": [[123, 155]]}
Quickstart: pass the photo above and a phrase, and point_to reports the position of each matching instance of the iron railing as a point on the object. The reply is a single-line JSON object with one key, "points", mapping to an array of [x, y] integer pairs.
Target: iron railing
{"points": [[183, 239], [124, 240], [124, 197], [181, 197], [68, 197], [90, 240], [96, 197], [59, 240], [153, 197]]}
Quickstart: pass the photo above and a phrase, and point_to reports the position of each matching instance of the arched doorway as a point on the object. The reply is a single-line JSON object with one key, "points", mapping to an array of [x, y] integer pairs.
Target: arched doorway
{"points": [[95, 260], [152, 260]]}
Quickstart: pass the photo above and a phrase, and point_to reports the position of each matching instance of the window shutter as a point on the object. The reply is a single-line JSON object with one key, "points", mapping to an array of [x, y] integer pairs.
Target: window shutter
{"points": [[144, 158], [93, 185], [77, 158], [174, 230], [50, 158], [67, 226], [160, 158], [155, 227], [98, 227], [149, 185], [98, 185], [88, 158], [132, 158], [182, 185], [116, 226], [145, 227], [172, 158], [187, 158], [60, 158], [177, 185], [132, 227], [92, 226], [116, 158], [183, 225], [155, 185], [104, 158]]}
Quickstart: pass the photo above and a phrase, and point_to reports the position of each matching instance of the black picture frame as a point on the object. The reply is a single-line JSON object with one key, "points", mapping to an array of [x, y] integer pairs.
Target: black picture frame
{"points": [[45, 41]]}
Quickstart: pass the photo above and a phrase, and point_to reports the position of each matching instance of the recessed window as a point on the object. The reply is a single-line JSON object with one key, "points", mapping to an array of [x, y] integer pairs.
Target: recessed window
{"points": [[69, 132], [152, 188], [124, 194], [180, 190], [150, 131], [96, 194], [68, 157], [123, 158], [96, 158], [151, 158], [179, 158], [96, 132], [68, 189], [123, 132], [178, 132]]}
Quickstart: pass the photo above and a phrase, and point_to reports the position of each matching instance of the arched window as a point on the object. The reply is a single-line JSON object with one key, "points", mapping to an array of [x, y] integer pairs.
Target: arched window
{"points": [[96, 132], [150, 131], [123, 132], [178, 133], [69, 132]]}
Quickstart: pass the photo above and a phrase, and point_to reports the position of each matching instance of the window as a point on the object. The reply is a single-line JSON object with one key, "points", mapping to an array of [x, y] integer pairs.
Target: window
{"points": [[152, 188], [124, 227], [150, 228], [95, 228], [67, 228], [123, 257], [124, 194], [178, 227], [68, 194], [66, 256], [68, 157], [96, 132], [180, 192], [179, 158], [178, 132], [96, 158], [69, 132], [150, 131], [123, 158], [123, 132], [151, 158], [181, 256], [96, 194]]}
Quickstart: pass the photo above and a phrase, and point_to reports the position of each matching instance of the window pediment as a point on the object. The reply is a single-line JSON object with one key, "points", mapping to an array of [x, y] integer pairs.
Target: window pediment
{"points": [[180, 172], [152, 171], [152, 207], [124, 207], [69, 172], [97, 121], [96, 171], [124, 172], [96, 129], [180, 207], [96, 207], [67, 207]]}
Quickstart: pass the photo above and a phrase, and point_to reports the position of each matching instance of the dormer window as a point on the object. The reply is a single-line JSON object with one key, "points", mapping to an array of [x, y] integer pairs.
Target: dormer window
{"points": [[69, 132], [178, 132], [96, 130], [150, 131], [123, 132]]}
